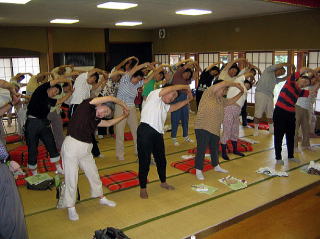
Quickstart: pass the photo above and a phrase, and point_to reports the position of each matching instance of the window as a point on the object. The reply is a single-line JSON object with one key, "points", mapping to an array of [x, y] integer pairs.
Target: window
{"points": [[314, 59], [175, 58], [261, 60], [9, 67], [162, 58], [279, 57], [5, 69], [314, 62], [206, 59], [225, 57]]}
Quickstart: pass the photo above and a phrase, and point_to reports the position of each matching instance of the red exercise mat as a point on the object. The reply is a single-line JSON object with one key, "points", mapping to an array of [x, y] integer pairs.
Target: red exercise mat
{"points": [[243, 146], [189, 165], [127, 136], [13, 138], [20, 181], [121, 180], [262, 126]]}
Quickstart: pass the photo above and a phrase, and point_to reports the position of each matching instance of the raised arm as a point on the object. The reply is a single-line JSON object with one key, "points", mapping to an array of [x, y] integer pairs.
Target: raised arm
{"points": [[6, 85], [64, 98], [62, 79], [229, 64], [182, 62], [137, 68], [122, 63], [213, 64], [169, 89]]}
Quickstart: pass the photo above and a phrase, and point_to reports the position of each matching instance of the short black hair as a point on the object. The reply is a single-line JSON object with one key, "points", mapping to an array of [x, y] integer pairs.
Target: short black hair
{"points": [[138, 73], [96, 75], [253, 70], [249, 82], [215, 68], [58, 87], [235, 66]]}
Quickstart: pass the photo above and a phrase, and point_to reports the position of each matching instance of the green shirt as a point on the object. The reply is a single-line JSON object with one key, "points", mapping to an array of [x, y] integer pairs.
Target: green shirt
{"points": [[147, 88]]}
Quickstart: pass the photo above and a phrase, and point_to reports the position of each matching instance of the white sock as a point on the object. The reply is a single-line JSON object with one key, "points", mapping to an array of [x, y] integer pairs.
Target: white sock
{"points": [[199, 174], [59, 168], [73, 215], [271, 128], [34, 172], [219, 169], [105, 201]]}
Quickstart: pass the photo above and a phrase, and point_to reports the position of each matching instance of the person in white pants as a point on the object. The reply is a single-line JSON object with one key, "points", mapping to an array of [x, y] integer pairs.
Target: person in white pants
{"points": [[76, 148]]}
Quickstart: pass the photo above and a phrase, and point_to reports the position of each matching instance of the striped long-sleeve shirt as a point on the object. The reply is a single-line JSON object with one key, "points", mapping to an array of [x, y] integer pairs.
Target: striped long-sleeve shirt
{"points": [[289, 95]]}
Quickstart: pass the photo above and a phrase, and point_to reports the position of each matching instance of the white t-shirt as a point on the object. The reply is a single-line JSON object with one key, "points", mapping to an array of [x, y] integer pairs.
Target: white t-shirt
{"points": [[81, 89], [233, 91], [154, 112]]}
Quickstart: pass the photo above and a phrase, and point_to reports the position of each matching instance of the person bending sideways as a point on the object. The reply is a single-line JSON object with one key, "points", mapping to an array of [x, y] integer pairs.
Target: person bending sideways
{"points": [[284, 113], [76, 148], [211, 107], [231, 115], [264, 94], [38, 126], [150, 132]]}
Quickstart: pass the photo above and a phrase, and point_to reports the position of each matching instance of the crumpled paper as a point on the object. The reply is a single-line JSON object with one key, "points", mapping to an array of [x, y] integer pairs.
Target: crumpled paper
{"points": [[271, 172]]}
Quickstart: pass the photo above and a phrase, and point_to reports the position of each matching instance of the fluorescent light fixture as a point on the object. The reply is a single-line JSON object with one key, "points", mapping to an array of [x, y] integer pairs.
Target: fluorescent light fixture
{"points": [[15, 1], [64, 21], [193, 12], [117, 5], [130, 24]]}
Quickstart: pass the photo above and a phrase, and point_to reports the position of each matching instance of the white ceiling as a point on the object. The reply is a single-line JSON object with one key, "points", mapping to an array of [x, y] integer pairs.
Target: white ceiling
{"points": [[153, 13]]}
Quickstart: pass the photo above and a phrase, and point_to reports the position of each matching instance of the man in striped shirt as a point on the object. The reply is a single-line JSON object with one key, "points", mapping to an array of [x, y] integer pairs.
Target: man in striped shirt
{"points": [[284, 113]]}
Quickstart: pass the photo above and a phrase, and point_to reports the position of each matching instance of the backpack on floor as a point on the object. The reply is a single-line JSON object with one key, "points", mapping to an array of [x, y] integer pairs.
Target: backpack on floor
{"points": [[45, 185], [110, 233]]}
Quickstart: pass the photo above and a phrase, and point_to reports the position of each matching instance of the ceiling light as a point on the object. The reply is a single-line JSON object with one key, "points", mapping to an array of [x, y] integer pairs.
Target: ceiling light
{"points": [[117, 5], [64, 21], [193, 12], [15, 1], [130, 24]]}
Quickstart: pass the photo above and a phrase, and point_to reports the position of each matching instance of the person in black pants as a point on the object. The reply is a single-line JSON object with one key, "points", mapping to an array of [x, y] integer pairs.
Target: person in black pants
{"points": [[38, 126], [284, 113], [150, 132]]}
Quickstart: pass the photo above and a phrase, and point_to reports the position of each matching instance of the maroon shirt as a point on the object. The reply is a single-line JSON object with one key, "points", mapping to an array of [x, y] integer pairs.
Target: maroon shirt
{"points": [[178, 79], [83, 123]]}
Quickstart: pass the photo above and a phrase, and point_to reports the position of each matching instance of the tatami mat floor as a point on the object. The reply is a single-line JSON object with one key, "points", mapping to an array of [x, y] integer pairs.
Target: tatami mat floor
{"points": [[167, 214]]}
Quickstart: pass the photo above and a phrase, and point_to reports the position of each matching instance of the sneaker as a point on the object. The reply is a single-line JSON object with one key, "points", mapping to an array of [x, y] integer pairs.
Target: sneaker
{"points": [[279, 162], [100, 136], [73, 215], [294, 160], [199, 174], [105, 201], [175, 142], [188, 140]]}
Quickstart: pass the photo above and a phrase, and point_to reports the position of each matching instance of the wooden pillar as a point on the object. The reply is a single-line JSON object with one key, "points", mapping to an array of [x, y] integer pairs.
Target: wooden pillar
{"points": [[50, 49]]}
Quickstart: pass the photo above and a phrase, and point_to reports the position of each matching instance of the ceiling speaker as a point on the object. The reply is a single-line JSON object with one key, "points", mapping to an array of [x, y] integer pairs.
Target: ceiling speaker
{"points": [[162, 33]]}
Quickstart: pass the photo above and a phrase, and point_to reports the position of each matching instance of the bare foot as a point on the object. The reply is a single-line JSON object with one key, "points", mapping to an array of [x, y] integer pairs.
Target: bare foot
{"points": [[167, 186], [143, 193]]}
